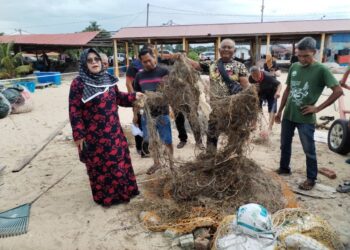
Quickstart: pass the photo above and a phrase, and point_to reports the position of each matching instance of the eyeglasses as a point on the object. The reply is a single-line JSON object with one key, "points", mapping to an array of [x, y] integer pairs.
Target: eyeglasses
{"points": [[91, 60], [227, 47]]}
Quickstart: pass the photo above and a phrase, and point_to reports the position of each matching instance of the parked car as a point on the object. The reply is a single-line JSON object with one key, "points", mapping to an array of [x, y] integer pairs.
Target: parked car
{"points": [[165, 54], [205, 56], [121, 58], [29, 59]]}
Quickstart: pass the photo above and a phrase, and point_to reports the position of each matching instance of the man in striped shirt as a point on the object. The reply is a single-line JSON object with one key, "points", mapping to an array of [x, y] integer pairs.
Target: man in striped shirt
{"points": [[149, 80]]}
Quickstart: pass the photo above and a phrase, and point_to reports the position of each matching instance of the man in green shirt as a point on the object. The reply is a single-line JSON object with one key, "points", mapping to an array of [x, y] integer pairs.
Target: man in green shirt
{"points": [[305, 83]]}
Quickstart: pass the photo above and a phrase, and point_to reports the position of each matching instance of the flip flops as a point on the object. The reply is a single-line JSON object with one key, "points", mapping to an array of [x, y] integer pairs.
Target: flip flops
{"points": [[344, 188]]}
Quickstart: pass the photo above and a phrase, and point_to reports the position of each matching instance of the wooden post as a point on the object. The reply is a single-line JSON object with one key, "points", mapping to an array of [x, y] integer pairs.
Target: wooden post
{"points": [[149, 40], [323, 36], [187, 47], [184, 44], [136, 51], [115, 58], [161, 51], [127, 53], [155, 50], [268, 44], [217, 46], [256, 50]]}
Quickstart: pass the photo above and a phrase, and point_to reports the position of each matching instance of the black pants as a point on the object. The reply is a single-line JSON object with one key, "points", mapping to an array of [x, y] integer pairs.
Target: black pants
{"points": [[212, 135], [139, 139], [180, 126]]}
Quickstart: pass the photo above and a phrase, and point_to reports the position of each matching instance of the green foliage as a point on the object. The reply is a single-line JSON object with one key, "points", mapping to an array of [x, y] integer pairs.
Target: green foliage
{"points": [[96, 27], [74, 54], [92, 27], [4, 75], [24, 70], [9, 61], [193, 55], [2, 33]]}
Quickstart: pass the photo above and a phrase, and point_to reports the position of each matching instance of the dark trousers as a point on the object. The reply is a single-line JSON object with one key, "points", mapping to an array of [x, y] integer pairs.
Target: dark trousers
{"points": [[140, 145], [180, 126], [306, 135], [212, 136]]}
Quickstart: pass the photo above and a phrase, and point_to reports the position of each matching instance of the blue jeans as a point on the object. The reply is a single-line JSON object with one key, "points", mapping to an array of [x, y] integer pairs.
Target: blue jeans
{"points": [[306, 135], [163, 127]]}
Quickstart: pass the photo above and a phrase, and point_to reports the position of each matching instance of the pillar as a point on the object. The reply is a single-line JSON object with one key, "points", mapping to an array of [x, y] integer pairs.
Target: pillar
{"points": [[323, 36], [115, 58]]}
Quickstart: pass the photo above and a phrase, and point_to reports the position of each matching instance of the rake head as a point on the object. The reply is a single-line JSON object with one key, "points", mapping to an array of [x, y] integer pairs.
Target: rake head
{"points": [[14, 221]]}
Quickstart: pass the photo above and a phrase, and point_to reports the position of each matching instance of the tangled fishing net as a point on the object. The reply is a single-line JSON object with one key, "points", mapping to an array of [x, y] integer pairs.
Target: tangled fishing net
{"points": [[216, 183]]}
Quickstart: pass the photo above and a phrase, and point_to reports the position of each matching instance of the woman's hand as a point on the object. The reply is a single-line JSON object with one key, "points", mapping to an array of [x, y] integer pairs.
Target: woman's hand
{"points": [[135, 120], [79, 144], [139, 95]]}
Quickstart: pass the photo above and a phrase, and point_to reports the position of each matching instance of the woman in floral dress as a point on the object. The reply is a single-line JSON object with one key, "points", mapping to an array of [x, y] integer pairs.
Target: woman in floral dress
{"points": [[93, 110]]}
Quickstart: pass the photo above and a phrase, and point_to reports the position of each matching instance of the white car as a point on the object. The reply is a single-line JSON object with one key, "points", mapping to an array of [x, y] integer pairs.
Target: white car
{"points": [[120, 56], [205, 56]]}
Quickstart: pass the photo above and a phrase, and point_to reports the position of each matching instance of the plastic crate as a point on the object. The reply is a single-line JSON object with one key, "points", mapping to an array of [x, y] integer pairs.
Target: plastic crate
{"points": [[111, 71], [49, 77], [29, 85]]}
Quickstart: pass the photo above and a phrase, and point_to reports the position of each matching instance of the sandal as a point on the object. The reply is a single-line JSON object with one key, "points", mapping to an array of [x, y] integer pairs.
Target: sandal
{"points": [[153, 169], [344, 188], [307, 185]]}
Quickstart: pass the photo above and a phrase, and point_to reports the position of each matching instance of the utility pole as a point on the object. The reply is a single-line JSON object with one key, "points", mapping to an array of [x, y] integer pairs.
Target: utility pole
{"points": [[147, 14], [19, 30], [262, 11]]}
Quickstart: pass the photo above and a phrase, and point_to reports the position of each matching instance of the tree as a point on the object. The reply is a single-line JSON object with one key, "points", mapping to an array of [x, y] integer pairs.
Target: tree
{"points": [[103, 34], [92, 27], [2, 33], [10, 63], [96, 27]]}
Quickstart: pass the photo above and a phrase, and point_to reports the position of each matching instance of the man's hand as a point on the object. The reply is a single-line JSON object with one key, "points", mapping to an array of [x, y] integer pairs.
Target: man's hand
{"points": [[278, 118], [309, 109], [344, 85], [175, 56], [79, 144]]}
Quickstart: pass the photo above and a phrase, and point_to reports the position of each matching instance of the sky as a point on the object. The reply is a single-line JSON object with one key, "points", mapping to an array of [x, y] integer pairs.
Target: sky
{"points": [[68, 16]]}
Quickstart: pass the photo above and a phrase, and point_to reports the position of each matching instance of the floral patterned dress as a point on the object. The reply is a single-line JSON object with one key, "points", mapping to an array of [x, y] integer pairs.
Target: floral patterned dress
{"points": [[105, 151]]}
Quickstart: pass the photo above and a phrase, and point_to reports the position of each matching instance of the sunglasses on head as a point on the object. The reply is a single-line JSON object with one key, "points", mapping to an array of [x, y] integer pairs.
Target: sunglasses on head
{"points": [[91, 60]]}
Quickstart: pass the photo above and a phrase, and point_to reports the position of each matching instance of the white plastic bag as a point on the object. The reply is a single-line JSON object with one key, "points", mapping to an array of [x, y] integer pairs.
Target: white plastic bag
{"points": [[253, 219], [303, 242], [136, 130], [244, 242], [25, 104]]}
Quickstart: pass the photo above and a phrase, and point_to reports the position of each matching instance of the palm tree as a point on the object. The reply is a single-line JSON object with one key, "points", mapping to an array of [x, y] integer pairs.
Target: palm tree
{"points": [[92, 27], [10, 63]]}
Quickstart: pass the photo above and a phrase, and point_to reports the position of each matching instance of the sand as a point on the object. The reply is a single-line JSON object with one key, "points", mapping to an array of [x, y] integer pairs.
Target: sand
{"points": [[67, 218]]}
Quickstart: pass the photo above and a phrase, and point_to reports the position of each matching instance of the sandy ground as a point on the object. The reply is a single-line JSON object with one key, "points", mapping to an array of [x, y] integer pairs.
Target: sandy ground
{"points": [[66, 217]]}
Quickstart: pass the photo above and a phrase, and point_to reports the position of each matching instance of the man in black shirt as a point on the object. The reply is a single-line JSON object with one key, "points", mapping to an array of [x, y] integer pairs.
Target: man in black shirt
{"points": [[269, 89], [149, 80]]}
